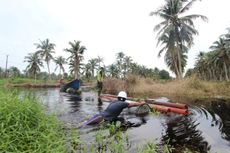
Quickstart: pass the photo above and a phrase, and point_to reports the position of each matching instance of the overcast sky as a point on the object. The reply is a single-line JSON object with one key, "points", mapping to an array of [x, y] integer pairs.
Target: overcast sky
{"points": [[105, 27]]}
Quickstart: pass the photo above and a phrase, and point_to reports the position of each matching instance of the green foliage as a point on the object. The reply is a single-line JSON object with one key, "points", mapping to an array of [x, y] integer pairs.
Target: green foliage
{"points": [[14, 81], [114, 142], [75, 142], [214, 65], [164, 75], [152, 147], [25, 127], [35, 63], [2, 82], [148, 148], [21, 80], [189, 73]]}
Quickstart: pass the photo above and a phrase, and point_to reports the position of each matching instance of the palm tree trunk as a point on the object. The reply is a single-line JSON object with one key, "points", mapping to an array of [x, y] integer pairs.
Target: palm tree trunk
{"points": [[210, 74], [226, 72], [179, 66], [180, 49], [220, 75], [75, 73], [47, 62], [63, 71], [35, 78], [76, 68], [175, 66], [60, 71]]}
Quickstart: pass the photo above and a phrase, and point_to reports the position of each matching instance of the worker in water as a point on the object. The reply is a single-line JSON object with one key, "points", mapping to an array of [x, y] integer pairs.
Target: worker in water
{"points": [[112, 112], [100, 78]]}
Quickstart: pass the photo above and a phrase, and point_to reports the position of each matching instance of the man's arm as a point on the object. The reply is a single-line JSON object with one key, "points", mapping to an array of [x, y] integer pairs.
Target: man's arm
{"points": [[133, 103]]}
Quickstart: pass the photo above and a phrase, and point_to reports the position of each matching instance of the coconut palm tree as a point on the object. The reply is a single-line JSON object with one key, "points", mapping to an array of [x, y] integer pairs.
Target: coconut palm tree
{"points": [[113, 71], [223, 55], [46, 49], [100, 60], [60, 61], [76, 51], [176, 32], [208, 66], [93, 65], [127, 65], [87, 71], [119, 62], [35, 62], [200, 64]]}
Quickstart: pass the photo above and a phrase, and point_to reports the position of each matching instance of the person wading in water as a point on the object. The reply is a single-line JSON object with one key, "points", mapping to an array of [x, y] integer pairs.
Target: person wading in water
{"points": [[112, 112], [100, 78], [114, 109]]}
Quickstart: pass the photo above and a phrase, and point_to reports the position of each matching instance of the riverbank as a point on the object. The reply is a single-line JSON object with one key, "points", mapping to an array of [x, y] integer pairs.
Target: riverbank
{"points": [[186, 91], [26, 126], [28, 83]]}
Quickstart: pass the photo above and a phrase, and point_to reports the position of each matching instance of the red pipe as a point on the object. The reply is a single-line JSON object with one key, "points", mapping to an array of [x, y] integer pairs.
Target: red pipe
{"points": [[179, 111], [169, 109], [169, 104], [160, 108]]}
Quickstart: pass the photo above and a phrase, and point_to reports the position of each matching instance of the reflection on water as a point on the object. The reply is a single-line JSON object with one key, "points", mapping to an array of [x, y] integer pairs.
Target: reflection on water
{"points": [[221, 110], [183, 131], [205, 129]]}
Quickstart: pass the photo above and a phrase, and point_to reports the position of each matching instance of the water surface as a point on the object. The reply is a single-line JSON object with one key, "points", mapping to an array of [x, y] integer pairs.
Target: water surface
{"points": [[205, 129]]}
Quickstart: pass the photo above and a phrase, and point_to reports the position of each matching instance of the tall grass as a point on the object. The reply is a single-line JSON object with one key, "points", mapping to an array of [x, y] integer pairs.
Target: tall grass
{"points": [[25, 127], [178, 90]]}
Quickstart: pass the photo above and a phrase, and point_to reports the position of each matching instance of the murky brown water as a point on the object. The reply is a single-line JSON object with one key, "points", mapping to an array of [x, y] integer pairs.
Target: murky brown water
{"points": [[206, 128]]}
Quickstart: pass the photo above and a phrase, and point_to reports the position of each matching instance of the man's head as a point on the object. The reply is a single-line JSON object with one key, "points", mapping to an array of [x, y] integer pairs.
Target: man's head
{"points": [[122, 96]]}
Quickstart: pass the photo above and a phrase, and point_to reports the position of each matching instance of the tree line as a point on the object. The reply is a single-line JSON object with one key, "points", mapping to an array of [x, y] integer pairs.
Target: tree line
{"points": [[45, 50], [215, 64]]}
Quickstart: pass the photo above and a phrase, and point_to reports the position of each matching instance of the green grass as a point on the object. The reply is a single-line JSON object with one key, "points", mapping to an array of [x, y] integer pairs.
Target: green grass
{"points": [[2, 82], [8, 82], [25, 127]]}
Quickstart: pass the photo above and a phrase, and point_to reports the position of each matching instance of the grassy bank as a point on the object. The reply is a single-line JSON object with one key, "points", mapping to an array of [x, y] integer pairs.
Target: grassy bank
{"points": [[186, 90], [27, 82], [25, 127]]}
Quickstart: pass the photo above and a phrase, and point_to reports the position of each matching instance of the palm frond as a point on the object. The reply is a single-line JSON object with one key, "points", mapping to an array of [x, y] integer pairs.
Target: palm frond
{"points": [[187, 6]]}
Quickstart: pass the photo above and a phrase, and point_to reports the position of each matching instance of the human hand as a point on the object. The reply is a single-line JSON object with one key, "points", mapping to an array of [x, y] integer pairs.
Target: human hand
{"points": [[142, 102]]}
